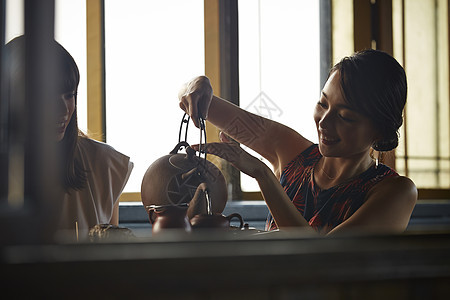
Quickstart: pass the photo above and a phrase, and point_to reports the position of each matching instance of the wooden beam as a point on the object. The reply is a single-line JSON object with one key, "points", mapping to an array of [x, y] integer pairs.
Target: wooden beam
{"points": [[433, 194]]}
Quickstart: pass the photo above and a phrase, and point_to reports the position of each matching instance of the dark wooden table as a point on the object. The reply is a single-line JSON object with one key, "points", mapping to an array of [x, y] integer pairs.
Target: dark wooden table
{"points": [[216, 265]]}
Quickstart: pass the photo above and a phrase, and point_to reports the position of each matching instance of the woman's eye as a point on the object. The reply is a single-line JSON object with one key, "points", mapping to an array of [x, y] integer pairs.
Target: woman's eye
{"points": [[68, 96], [346, 118], [321, 104]]}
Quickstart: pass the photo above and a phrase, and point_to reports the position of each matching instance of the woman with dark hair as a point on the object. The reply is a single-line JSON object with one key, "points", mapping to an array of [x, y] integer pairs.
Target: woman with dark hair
{"points": [[93, 173], [335, 185]]}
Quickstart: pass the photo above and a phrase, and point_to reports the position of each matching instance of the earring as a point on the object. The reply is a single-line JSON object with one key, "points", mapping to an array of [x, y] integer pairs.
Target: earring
{"points": [[378, 158], [377, 161]]}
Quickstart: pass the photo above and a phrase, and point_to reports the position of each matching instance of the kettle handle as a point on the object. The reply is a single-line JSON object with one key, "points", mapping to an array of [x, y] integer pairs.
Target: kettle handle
{"points": [[179, 146], [184, 120], [202, 144], [241, 221]]}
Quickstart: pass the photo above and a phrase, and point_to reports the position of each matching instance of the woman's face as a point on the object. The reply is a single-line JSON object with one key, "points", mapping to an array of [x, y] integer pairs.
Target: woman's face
{"points": [[342, 131], [66, 107]]}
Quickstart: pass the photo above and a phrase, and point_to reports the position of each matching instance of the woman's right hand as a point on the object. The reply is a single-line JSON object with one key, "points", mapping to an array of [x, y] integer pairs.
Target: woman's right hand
{"points": [[195, 98], [234, 154]]}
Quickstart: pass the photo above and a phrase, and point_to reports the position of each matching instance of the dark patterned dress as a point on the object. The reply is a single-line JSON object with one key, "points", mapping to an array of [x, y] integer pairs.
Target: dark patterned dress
{"points": [[325, 209]]}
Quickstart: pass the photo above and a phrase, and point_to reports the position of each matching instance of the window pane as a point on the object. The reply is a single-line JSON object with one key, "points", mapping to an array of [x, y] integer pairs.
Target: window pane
{"points": [[70, 31], [427, 111], [14, 19], [151, 49], [279, 64]]}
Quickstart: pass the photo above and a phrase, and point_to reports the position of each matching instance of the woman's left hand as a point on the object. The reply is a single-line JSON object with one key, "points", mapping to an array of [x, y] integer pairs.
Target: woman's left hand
{"points": [[238, 157]]}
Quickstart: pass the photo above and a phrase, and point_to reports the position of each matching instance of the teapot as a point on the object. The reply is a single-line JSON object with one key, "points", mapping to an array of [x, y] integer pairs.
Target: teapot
{"points": [[165, 217], [215, 220], [168, 217], [178, 179]]}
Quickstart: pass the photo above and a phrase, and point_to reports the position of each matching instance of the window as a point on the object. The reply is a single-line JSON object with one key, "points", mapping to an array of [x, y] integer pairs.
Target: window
{"points": [[14, 19], [151, 49], [421, 43], [279, 64], [70, 31]]}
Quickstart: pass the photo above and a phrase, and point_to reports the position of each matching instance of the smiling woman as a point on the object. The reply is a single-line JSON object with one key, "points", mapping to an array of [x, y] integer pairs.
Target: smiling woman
{"points": [[333, 186], [341, 129]]}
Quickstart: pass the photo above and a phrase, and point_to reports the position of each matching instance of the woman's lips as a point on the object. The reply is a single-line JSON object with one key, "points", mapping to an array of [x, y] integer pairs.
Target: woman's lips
{"points": [[61, 124], [329, 141]]}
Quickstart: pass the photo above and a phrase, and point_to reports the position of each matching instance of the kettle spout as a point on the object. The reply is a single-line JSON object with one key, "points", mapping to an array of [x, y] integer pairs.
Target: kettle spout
{"points": [[198, 204]]}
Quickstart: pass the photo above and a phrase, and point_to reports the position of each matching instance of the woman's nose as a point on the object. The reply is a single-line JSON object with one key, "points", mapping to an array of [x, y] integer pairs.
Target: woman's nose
{"points": [[62, 105], [325, 120]]}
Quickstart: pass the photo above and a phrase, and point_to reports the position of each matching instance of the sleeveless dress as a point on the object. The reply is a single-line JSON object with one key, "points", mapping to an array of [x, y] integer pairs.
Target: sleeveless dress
{"points": [[325, 209], [107, 173]]}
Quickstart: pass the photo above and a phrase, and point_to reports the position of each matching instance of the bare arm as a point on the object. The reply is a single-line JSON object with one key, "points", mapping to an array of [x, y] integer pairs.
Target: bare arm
{"points": [[283, 211], [277, 143], [281, 207]]}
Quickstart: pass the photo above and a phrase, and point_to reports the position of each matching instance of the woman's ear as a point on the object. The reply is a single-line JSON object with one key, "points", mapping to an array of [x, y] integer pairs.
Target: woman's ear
{"points": [[377, 138]]}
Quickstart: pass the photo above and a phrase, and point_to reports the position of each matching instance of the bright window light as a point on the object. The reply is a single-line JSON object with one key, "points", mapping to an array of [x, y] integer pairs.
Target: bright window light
{"points": [[151, 49], [279, 69]]}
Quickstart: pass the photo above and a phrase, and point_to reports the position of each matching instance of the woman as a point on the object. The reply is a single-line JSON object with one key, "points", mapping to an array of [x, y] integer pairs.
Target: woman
{"points": [[94, 174], [334, 186]]}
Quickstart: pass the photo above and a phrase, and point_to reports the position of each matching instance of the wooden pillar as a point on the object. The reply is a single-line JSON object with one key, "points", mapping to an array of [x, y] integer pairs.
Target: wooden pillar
{"points": [[30, 212], [362, 25], [221, 66], [372, 26], [326, 45], [4, 161], [95, 69], [212, 44], [384, 31]]}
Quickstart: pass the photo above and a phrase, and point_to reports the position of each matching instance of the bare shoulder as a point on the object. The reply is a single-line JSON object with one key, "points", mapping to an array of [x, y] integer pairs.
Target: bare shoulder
{"points": [[288, 143], [400, 188], [387, 209]]}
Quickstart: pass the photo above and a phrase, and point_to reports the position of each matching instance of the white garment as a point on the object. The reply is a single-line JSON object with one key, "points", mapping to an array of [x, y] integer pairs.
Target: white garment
{"points": [[107, 173]]}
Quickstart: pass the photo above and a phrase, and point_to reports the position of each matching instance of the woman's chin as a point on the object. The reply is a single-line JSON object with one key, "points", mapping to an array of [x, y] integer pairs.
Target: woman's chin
{"points": [[326, 150]]}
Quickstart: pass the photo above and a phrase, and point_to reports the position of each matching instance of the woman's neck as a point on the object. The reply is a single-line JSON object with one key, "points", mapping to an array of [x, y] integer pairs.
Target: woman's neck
{"points": [[331, 171]]}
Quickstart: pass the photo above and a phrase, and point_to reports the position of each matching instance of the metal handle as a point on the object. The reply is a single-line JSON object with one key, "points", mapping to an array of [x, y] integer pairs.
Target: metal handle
{"points": [[184, 120], [202, 144]]}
